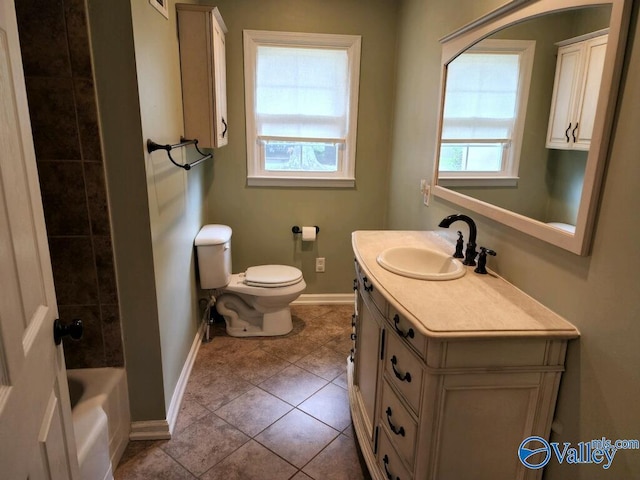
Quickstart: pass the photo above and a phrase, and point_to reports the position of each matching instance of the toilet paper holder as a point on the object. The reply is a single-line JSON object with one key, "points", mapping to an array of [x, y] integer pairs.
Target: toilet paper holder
{"points": [[296, 229]]}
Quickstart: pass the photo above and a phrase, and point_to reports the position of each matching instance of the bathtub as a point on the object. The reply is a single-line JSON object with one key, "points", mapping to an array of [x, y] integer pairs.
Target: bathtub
{"points": [[100, 413]]}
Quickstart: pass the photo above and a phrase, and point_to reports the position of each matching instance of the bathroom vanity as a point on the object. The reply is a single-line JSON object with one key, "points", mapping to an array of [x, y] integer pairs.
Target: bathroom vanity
{"points": [[447, 378]]}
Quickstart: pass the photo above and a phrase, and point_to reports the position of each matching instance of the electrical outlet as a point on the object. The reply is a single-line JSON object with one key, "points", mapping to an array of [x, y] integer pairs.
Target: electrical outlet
{"points": [[425, 190], [320, 262]]}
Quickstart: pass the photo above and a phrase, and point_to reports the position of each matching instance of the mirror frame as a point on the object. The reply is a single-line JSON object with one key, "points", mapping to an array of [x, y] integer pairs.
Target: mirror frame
{"points": [[505, 16]]}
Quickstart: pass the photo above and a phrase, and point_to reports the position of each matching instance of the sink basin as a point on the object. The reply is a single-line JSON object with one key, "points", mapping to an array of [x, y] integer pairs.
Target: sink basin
{"points": [[421, 263]]}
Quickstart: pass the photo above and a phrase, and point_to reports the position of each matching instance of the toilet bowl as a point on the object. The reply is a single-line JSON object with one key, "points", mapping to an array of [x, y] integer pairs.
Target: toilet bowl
{"points": [[253, 303]]}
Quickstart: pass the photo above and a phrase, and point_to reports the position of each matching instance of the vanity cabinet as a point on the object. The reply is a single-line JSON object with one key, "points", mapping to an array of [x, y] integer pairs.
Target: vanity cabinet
{"points": [[443, 398], [201, 33], [578, 75]]}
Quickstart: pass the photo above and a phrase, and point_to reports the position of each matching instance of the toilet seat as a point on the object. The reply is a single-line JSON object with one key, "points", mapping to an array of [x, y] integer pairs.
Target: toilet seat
{"points": [[272, 276]]}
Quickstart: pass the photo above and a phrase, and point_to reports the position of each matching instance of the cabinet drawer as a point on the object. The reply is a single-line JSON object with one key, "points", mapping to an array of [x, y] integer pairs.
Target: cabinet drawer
{"points": [[389, 460], [369, 292], [404, 370], [405, 330], [400, 424]]}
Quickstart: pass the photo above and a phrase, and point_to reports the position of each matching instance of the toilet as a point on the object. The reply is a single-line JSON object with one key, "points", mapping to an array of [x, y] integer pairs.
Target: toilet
{"points": [[253, 303]]}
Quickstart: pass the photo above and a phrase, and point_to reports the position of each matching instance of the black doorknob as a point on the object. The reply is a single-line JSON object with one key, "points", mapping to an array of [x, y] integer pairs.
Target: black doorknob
{"points": [[73, 329]]}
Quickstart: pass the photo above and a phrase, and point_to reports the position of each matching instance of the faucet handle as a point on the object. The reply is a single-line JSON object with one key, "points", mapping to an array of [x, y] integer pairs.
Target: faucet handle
{"points": [[482, 260], [459, 246]]}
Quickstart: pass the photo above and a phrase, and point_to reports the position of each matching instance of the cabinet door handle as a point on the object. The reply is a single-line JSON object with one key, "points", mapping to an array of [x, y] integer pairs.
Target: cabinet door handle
{"points": [[403, 378], [226, 127], [385, 460], [355, 284], [394, 429], [351, 356], [367, 288], [573, 132], [566, 132], [410, 333]]}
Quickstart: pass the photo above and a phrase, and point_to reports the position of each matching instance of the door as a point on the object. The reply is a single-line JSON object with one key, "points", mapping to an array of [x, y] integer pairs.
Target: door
{"points": [[36, 433]]}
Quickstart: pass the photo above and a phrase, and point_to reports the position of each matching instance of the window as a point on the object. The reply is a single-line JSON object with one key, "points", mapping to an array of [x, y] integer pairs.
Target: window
{"points": [[484, 113], [301, 96]]}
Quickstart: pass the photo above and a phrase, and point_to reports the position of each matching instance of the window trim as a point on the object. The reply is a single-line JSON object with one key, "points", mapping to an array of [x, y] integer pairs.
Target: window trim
{"points": [[256, 173], [508, 176]]}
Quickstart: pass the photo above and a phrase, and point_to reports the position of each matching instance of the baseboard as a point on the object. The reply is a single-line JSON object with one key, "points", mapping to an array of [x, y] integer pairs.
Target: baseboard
{"points": [[150, 430], [324, 299], [162, 429], [181, 386]]}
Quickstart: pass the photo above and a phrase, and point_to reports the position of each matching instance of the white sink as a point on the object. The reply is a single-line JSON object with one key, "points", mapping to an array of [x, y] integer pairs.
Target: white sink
{"points": [[421, 263]]}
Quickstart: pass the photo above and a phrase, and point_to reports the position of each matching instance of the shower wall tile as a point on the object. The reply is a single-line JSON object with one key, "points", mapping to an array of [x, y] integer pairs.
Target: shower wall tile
{"points": [[103, 251], [43, 38], [97, 198], [62, 103], [74, 271], [78, 37], [112, 336], [88, 352], [63, 196], [53, 118], [88, 129]]}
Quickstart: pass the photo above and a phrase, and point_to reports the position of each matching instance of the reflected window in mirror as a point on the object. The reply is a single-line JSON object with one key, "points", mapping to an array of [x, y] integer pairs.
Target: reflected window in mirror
{"points": [[486, 92]]}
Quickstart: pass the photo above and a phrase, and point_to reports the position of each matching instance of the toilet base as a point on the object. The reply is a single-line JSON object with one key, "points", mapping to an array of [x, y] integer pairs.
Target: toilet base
{"points": [[243, 321]]}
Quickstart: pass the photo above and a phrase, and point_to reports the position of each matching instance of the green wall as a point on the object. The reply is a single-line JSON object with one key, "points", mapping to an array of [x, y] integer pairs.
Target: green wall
{"points": [[262, 217], [597, 293]]}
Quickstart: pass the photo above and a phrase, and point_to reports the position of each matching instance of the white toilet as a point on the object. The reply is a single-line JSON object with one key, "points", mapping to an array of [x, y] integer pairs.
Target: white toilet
{"points": [[253, 303]]}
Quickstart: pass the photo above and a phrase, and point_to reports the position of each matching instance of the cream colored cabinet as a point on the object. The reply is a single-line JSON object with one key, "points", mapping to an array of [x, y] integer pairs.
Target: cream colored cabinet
{"points": [[455, 400], [201, 32], [575, 94]]}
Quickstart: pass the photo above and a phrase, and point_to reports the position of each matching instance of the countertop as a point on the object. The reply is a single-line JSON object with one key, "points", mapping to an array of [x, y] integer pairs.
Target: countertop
{"points": [[472, 306]]}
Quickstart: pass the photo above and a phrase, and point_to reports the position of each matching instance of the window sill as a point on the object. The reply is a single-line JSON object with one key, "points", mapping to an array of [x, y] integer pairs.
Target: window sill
{"points": [[301, 182], [444, 181]]}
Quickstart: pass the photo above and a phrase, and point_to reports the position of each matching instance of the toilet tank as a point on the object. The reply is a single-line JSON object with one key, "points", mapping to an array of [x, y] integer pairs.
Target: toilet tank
{"points": [[213, 251]]}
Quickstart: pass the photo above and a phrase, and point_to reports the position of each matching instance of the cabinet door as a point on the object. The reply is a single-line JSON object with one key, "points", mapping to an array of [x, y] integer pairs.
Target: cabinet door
{"points": [[567, 78], [595, 51], [220, 84], [367, 361]]}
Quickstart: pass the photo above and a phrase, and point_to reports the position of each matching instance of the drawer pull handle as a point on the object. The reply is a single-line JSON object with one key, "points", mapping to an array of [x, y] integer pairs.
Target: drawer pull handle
{"points": [[351, 356], [403, 378], [353, 336], [409, 334], [394, 429], [353, 320], [367, 288], [385, 460], [355, 284]]}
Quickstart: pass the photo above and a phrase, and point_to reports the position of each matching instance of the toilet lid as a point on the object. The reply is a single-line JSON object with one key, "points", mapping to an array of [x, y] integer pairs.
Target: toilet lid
{"points": [[272, 276]]}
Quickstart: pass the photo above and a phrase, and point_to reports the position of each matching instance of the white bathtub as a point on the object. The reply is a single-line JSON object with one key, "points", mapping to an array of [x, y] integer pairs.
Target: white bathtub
{"points": [[100, 412]]}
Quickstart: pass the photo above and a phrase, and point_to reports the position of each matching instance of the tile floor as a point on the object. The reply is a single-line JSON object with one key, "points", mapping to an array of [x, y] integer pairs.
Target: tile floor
{"points": [[262, 408]]}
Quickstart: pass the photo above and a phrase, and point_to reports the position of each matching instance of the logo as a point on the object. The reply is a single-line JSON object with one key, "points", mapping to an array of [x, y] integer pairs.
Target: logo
{"points": [[534, 452]]}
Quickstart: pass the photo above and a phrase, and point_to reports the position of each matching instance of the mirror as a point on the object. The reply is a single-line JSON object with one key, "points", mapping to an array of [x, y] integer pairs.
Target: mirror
{"points": [[518, 143]]}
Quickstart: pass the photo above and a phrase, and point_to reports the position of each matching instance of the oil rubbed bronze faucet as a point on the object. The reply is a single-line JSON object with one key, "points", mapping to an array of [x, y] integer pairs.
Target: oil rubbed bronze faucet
{"points": [[470, 253]]}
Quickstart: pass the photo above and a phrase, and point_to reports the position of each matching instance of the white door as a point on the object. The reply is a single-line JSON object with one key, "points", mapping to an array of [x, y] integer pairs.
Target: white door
{"points": [[36, 434]]}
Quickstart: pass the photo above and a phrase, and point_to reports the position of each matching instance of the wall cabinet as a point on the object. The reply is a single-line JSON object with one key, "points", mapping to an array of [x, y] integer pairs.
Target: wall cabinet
{"points": [[575, 93], [201, 33], [445, 406]]}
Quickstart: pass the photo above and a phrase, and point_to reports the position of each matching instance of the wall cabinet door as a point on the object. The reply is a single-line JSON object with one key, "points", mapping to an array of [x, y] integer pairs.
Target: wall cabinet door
{"points": [[575, 94], [201, 32]]}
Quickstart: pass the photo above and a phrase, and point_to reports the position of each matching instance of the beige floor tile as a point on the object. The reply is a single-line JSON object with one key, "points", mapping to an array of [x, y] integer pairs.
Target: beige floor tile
{"points": [[258, 365], [301, 476], [341, 381], [297, 437], [217, 388], [310, 311], [203, 444], [339, 461], [190, 412], [291, 349], [252, 461], [329, 405], [293, 384], [324, 362], [152, 463], [253, 411]]}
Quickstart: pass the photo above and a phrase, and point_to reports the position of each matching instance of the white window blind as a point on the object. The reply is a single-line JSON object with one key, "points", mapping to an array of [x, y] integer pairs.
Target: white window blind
{"points": [[301, 94]]}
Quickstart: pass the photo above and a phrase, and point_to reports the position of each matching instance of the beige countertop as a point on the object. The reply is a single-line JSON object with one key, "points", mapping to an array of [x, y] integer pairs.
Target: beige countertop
{"points": [[472, 306]]}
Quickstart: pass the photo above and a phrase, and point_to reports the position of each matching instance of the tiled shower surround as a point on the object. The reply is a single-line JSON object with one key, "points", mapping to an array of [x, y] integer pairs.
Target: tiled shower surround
{"points": [[57, 66]]}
